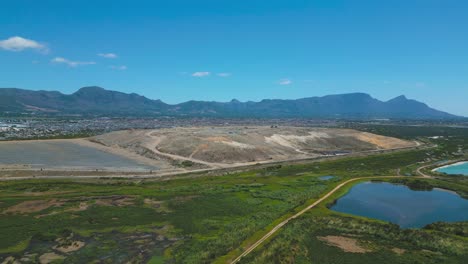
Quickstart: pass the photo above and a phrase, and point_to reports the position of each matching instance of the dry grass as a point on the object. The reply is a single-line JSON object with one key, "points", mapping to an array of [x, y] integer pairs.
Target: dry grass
{"points": [[346, 244], [33, 206]]}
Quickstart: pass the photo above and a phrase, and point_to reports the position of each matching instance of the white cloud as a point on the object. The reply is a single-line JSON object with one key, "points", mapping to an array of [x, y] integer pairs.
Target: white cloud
{"points": [[121, 67], [71, 63], [224, 74], [201, 74], [284, 82], [108, 55], [18, 44]]}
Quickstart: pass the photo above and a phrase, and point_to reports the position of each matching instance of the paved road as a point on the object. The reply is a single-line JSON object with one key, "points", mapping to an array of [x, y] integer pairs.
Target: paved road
{"points": [[277, 227]]}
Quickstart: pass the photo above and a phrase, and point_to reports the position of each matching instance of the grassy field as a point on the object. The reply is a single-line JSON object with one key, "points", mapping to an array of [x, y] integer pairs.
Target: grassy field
{"points": [[204, 219]]}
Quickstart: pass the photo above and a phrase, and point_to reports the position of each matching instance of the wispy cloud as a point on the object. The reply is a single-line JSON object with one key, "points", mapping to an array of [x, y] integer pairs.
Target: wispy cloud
{"points": [[284, 82], [120, 68], [18, 44], [224, 74], [108, 55], [201, 74], [71, 63]]}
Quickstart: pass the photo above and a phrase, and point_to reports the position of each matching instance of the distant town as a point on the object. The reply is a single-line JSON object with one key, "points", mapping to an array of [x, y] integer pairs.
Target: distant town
{"points": [[21, 128]]}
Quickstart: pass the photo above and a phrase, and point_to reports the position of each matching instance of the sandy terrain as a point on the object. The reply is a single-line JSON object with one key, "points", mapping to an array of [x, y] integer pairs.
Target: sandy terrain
{"points": [[346, 244], [226, 146], [49, 258], [71, 246], [162, 152], [32, 206]]}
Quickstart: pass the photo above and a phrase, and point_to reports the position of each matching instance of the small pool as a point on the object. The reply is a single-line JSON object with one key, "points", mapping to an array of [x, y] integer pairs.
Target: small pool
{"points": [[400, 205], [326, 178]]}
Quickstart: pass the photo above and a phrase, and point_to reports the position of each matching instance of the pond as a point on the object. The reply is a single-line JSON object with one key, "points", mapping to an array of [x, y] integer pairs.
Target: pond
{"points": [[456, 168], [326, 178], [400, 205]]}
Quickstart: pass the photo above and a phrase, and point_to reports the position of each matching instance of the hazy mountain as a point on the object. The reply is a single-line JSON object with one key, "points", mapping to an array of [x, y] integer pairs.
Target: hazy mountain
{"points": [[98, 101]]}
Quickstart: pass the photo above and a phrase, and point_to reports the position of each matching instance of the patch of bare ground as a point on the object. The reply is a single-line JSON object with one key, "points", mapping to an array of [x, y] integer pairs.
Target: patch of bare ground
{"points": [[235, 145], [382, 141], [398, 251], [29, 194], [33, 206], [115, 201], [159, 206], [84, 204], [10, 260], [49, 257], [152, 203], [81, 207], [346, 244], [69, 246]]}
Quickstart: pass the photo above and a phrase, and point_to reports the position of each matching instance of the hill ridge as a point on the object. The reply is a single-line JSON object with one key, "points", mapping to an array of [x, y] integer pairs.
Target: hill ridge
{"points": [[95, 100]]}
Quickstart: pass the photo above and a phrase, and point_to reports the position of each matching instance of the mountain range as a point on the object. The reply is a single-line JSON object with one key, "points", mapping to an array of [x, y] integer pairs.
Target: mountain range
{"points": [[96, 101]]}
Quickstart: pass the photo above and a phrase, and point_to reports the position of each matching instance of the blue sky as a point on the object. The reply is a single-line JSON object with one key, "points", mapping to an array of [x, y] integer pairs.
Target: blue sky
{"points": [[249, 50]]}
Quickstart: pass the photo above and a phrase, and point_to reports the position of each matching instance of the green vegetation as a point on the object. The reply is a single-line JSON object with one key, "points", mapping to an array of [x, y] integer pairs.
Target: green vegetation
{"points": [[200, 218], [211, 218], [300, 242]]}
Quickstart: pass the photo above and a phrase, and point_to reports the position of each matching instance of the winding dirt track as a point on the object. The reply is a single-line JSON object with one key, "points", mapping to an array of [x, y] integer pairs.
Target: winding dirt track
{"points": [[277, 227]]}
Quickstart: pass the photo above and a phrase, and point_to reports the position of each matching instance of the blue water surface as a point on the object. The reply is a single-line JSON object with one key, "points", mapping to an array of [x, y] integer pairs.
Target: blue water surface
{"points": [[461, 168], [400, 205]]}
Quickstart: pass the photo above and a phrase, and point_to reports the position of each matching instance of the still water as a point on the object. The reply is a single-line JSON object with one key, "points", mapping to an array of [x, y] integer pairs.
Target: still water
{"points": [[400, 205], [457, 168]]}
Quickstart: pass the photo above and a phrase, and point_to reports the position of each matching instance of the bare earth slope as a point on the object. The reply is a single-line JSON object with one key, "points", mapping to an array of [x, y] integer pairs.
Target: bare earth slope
{"points": [[228, 146]]}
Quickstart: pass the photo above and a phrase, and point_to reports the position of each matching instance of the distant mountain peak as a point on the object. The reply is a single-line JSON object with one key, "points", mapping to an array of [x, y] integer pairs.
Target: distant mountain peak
{"points": [[91, 89], [97, 101], [398, 98]]}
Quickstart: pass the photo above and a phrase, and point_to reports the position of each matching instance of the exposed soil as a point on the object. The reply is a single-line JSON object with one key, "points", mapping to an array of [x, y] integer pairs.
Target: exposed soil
{"points": [[344, 243], [382, 141], [233, 145], [33, 206], [152, 203], [70, 246], [49, 257], [168, 152], [115, 201], [399, 251], [81, 207]]}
